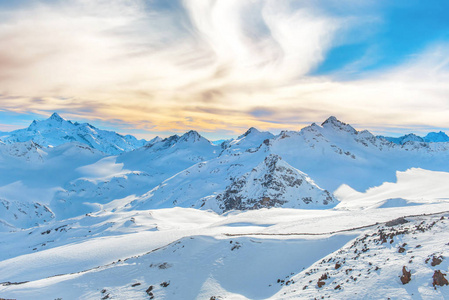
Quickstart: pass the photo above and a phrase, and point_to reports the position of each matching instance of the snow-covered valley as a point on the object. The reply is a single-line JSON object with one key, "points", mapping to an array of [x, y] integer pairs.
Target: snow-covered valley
{"points": [[91, 214]]}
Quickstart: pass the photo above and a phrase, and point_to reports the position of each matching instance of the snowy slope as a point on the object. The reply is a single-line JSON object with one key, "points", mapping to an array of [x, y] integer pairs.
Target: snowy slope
{"points": [[22, 151], [55, 131], [260, 254], [193, 186], [100, 183], [130, 174], [371, 266], [15, 214], [31, 175], [412, 187], [249, 180]]}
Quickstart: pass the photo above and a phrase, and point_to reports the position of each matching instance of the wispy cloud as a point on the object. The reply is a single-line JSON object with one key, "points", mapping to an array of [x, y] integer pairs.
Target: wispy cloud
{"points": [[176, 65]]}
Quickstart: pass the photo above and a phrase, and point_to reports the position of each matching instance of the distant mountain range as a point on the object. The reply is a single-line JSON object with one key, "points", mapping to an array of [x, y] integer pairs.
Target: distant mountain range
{"points": [[431, 137], [73, 169], [55, 131]]}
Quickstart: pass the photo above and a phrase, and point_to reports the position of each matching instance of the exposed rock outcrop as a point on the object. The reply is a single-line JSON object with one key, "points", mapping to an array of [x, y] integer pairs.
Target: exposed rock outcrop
{"points": [[439, 279], [273, 183], [406, 275]]}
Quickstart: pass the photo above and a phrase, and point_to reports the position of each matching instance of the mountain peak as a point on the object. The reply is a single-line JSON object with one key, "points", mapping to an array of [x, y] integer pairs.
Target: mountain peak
{"points": [[55, 131], [54, 120], [154, 140], [333, 122], [436, 137], [191, 136], [252, 130], [273, 183], [56, 117]]}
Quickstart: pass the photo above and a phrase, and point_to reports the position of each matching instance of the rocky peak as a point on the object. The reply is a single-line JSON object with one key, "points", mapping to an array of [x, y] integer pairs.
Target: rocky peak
{"points": [[436, 137], [250, 131], [191, 136], [334, 123], [56, 117], [405, 139], [54, 121], [33, 124], [411, 138], [365, 134], [167, 142], [273, 183], [154, 140]]}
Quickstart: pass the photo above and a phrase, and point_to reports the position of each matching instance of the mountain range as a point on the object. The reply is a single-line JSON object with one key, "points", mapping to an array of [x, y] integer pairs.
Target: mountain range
{"points": [[101, 166], [431, 137], [55, 131], [310, 209]]}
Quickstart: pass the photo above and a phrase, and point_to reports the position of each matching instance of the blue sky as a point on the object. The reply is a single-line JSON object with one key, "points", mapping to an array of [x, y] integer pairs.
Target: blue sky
{"points": [[158, 67], [401, 30]]}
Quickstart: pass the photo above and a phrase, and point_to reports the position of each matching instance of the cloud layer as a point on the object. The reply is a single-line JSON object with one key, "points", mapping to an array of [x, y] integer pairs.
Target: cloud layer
{"points": [[227, 64]]}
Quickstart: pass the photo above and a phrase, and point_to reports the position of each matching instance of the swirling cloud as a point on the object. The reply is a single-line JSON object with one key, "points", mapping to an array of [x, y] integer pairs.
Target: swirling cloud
{"points": [[165, 66]]}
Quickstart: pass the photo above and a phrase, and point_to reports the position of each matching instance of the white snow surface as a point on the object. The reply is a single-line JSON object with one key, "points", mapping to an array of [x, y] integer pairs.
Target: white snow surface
{"points": [[256, 217]]}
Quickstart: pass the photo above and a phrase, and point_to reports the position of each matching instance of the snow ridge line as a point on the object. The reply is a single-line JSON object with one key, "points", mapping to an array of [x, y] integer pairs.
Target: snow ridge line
{"points": [[331, 232]]}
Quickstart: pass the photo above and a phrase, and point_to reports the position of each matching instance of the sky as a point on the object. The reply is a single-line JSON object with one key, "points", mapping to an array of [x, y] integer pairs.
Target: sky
{"points": [[157, 67]]}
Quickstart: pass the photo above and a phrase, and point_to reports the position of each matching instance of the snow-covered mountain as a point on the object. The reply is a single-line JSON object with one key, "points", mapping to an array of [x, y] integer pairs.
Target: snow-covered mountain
{"points": [[335, 153], [31, 175], [190, 171], [431, 137], [411, 137], [249, 180], [166, 157], [55, 131], [251, 139], [324, 212], [273, 183], [436, 137]]}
